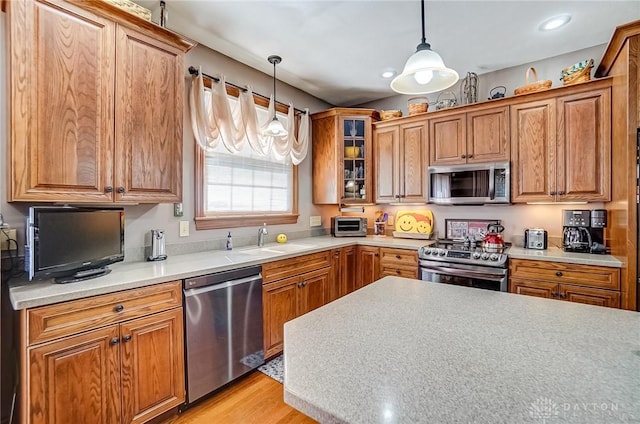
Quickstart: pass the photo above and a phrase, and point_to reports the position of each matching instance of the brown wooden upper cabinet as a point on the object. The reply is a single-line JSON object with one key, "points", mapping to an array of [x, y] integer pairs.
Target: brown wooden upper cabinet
{"points": [[96, 98], [561, 146], [342, 156], [400, 155], [469, 137]]}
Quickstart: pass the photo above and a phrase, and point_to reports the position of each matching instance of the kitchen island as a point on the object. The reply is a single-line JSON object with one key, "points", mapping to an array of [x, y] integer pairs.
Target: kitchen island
{"points": [[407, 351]]}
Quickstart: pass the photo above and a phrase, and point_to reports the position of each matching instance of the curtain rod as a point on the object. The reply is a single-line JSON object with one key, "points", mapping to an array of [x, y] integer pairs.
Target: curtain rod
{"points": [[194, 71]]}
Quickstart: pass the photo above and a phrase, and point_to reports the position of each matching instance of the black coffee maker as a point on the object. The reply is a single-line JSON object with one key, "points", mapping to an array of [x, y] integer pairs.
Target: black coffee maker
{"points": [[583, 230]]}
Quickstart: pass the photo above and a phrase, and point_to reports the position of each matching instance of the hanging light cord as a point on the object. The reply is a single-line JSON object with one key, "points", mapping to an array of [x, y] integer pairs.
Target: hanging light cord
{"points": [[423, 44]]}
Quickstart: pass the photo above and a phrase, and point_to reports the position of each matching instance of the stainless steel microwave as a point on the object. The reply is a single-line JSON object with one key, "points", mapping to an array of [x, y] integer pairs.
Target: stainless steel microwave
{"points": [[470, 184]]}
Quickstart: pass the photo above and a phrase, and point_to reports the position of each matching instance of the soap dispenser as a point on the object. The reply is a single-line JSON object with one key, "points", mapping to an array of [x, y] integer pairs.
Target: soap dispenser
{"points": [[229, 241]]}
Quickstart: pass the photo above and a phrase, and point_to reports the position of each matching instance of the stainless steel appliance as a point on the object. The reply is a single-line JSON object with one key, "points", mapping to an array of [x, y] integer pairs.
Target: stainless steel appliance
{"points": [[535, 238], [223, 328], [464, 263], [583, 230], [477, 183], [348, 226]]}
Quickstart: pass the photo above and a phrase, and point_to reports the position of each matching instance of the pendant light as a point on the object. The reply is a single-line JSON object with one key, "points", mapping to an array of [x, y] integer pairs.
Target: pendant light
{"points": [[275, 128], [424, 71]]}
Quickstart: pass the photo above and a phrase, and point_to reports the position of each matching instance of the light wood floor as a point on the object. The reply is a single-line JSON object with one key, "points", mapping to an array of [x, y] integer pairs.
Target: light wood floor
{"points": [[254, 399]]}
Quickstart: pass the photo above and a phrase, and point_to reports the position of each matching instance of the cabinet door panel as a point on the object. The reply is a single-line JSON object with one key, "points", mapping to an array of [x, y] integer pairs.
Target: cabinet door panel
{"points": [[584, 144], [447, 140], [148, 128], [313, 293], [335, 276], [368, 265], [386, 157], [413, 162], [348, 270], [279, 301], [152, 365], [62, 75], [75, 380], [533, 288], [533, 141], [488, 135], [590, 296]]}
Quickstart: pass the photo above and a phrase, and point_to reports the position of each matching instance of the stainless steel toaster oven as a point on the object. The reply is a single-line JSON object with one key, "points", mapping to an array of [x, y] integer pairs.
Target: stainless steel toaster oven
{"points": [[348, 226]]}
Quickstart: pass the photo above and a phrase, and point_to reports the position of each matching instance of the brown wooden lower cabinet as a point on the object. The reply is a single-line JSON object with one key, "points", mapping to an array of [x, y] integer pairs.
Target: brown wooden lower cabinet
{"points": [[593, 285], [289, 298], [368, 265], [343, 269], [398, 263], [128, 371]]}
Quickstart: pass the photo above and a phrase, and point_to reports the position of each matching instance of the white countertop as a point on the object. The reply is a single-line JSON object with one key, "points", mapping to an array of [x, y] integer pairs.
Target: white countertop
{"points": [[556, 254], [408, 351], [129, 275]]}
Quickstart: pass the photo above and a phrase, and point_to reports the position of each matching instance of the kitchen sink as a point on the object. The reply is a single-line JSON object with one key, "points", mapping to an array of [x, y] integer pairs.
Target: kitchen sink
{"points": [[281, 248]]}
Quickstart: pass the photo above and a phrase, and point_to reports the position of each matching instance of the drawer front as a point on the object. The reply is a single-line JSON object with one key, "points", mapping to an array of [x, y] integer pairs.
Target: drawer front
{"points": [[63, 319], [559, 272], [399, 271], [278, 270], [398, 256]]}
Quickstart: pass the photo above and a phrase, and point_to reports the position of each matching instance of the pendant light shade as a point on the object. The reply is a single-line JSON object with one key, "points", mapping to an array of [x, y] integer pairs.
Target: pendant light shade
{"points": [[424, 72], [275, 127]]}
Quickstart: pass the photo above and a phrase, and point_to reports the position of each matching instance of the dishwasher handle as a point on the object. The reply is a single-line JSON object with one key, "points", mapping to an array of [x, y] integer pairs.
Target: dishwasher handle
{"points": [[223, 285]]}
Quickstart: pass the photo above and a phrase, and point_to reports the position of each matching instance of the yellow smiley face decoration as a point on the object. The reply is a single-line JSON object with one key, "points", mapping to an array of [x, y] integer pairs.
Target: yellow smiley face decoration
{"points": [[420, 222]]}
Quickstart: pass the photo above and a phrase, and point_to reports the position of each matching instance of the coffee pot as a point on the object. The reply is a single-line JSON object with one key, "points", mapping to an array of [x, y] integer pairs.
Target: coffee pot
{"points": [[157, 246]]}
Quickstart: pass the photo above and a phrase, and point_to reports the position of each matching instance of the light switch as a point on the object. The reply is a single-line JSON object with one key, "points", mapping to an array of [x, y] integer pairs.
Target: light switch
{"points": [[315, 221], [184, 228]]}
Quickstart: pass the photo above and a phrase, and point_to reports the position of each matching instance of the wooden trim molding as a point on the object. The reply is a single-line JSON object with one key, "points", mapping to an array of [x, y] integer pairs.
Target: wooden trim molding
{"points": [[620, 35]]}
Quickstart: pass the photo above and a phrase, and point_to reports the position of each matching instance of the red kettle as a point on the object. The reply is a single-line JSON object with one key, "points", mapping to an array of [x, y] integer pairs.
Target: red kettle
{"points": [[493, 242]]}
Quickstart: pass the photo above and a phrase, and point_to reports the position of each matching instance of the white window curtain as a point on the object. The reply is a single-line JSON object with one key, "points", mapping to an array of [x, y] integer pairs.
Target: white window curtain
{"points": [[215, 121]]}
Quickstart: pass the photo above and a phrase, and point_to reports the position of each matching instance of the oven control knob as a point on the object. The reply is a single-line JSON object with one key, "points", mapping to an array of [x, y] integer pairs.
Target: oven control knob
{"points": [[494, 257], [484, 256], [442, 252], [476, 255]]}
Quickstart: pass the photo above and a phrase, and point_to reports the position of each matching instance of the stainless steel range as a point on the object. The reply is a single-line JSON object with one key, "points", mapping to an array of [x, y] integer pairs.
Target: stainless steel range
{"points": [[464, 263]]}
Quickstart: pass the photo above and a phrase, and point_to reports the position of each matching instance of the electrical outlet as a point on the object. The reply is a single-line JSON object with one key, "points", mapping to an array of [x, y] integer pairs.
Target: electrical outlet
{"points": [[4, 244], [184, 228], [315, 221], [391, 220]]}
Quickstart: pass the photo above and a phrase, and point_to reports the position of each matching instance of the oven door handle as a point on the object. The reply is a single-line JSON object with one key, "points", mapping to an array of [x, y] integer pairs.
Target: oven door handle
{"points": [[457, 272], [492, 186]]}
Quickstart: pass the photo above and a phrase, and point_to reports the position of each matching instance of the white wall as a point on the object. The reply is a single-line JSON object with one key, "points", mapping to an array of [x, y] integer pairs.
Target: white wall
{"points": [[511, 78], [141, 219]]}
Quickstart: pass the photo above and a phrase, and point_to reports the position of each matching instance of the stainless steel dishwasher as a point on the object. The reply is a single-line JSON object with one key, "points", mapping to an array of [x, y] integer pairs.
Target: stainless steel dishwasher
{"points": [[223, 328]]}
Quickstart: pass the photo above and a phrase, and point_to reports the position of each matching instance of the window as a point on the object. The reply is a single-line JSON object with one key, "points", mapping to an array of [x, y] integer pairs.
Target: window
{"points": [[244, 188]]}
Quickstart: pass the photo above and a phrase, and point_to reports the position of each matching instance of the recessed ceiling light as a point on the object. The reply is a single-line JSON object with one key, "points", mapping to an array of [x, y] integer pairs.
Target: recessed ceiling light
{"points": [[388, 73], [555, 22]]}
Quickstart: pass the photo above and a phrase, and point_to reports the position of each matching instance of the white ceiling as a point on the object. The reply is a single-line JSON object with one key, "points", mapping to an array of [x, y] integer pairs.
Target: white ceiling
{"points": [[336, 50]]}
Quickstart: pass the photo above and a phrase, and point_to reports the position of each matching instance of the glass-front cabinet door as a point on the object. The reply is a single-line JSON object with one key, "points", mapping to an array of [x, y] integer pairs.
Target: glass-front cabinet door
{"points": [[354, 160], [342, 156]]}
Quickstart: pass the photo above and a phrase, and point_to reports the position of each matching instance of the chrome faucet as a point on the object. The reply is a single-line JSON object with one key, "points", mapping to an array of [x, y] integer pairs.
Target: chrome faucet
{"points": [[262, 231]]}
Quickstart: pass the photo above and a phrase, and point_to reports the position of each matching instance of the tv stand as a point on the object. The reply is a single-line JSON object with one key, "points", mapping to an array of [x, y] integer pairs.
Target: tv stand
{"points": [[85, 274]]}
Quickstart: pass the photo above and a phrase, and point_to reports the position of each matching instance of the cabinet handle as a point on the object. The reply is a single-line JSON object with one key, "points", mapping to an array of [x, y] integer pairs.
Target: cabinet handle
{"points": [[554, 294], [553, 193], [299, 285], [304, 284], [469, 156], [463, 156], [561, 193], [398, 256], [119, 308], [398, 271], [562, 295], [126, 338], [377, 254], [108, 189], [559, 274], [120, 190], [114, 341]]}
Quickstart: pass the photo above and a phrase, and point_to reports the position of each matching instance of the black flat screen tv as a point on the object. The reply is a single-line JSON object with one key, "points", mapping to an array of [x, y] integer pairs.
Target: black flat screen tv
{"points": [[72, 243]]}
